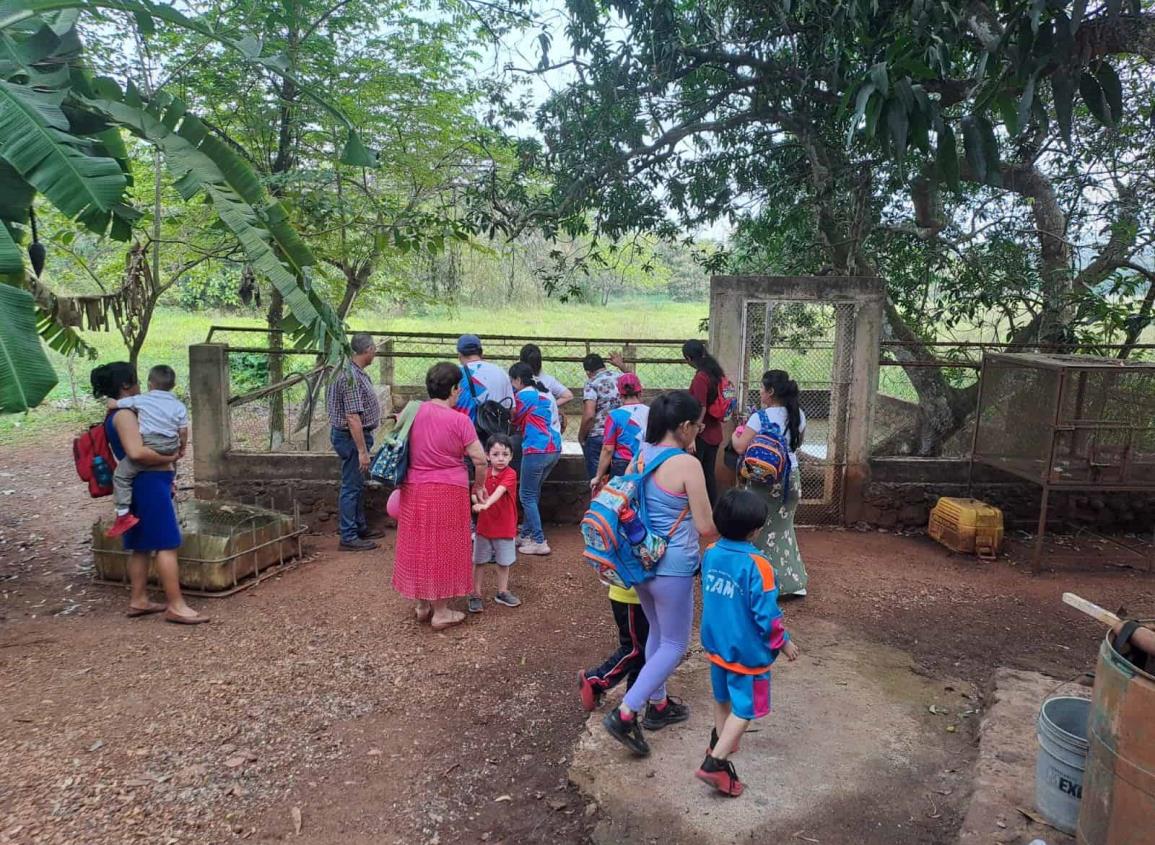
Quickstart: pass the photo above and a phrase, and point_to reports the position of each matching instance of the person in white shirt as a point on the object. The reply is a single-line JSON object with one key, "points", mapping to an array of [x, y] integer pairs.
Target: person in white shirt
{"points": [[531, 354], [777, 538], [163, 421]]}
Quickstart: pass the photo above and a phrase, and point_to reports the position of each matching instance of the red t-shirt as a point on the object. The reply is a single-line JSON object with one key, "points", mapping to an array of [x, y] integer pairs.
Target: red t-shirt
{"points": [[499, 522], [702, 389]]}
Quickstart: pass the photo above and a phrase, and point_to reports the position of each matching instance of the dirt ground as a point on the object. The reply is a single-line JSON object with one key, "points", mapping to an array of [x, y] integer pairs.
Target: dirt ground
{"points": [[314, 701]]}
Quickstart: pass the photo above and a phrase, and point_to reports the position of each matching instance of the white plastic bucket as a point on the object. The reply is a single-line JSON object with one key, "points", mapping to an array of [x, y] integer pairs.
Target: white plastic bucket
{"points": [[1062, 732]]}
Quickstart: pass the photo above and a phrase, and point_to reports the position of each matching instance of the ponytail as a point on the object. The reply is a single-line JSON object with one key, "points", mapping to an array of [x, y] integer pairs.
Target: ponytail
{"points": [[109, 380], [670, 410], [695, 352], [785, 390], [524, 373]]}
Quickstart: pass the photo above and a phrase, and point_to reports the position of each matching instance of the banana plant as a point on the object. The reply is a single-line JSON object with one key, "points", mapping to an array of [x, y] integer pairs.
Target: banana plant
{"points": [[61, 138]]}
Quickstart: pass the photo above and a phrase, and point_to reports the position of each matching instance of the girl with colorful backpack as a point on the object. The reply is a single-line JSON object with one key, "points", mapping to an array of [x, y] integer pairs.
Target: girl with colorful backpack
{"points": [[768, 445], [677, 509]]}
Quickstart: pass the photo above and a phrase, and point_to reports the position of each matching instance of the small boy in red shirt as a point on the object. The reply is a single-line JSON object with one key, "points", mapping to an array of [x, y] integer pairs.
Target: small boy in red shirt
{"points": [[496, 524]]}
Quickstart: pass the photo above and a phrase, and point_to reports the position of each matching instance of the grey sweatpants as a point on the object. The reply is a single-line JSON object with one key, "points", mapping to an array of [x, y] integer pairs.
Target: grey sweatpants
{"points": [[127, 468]]}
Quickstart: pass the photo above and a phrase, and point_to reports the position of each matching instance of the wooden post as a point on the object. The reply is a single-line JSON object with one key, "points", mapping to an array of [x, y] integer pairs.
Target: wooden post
{"points": [[388, 364], [629, 353]]}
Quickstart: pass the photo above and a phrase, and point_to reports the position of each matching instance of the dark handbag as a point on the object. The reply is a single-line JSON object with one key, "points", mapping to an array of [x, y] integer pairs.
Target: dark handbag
{"points": [[493, 417]]}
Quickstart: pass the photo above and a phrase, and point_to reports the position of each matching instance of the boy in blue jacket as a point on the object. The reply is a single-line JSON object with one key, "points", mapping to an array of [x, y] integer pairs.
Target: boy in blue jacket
{"points": [[742, 632]]}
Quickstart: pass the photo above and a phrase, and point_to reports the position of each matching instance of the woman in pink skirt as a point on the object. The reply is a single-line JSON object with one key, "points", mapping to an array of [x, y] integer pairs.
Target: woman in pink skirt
{"points": [[434, 548]]}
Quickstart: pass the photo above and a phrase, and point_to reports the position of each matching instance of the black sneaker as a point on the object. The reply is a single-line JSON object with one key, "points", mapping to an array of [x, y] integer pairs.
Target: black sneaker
{"points": [[357, 545], [628, 733], [674, 711]]}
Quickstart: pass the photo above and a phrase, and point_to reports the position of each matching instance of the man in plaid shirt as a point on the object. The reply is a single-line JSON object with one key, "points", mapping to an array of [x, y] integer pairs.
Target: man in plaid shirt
{"points": [[354, 414]]}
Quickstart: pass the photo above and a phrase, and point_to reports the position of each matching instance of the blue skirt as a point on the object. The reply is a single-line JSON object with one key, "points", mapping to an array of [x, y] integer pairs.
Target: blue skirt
{"points": [[158, 529]]}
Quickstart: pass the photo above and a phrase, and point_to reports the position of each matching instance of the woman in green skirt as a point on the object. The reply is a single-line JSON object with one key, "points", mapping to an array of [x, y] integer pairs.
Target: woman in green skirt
{"points": [[777, 539]]}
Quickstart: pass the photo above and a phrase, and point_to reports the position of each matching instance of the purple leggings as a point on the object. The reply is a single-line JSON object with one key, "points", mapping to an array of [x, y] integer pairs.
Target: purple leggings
{"points": [[668, 602]]}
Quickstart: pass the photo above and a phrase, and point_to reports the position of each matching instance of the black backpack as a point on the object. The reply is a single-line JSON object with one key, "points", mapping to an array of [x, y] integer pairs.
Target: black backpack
{"points": [[493, 417]]}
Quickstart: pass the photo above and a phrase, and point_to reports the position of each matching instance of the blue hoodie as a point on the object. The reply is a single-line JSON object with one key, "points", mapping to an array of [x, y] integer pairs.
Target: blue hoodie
{"points": [[741, 624]]}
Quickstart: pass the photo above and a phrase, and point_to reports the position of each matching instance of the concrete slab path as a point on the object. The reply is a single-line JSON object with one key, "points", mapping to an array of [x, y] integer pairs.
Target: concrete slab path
{"points": [[852, 752]]}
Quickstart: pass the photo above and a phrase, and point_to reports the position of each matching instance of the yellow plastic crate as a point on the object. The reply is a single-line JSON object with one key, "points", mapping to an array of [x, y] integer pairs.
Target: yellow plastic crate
{"points": [[967, 525]]}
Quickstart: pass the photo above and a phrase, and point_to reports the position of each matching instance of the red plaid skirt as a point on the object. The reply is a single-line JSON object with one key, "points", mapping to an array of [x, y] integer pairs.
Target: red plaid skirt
{"points": [[434, 546]]}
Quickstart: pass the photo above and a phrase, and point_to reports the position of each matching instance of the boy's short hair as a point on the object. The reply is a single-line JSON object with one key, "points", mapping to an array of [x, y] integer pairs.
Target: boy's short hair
{"points": [[162, 377], [499, 440], [593, 363], [739, 513]]}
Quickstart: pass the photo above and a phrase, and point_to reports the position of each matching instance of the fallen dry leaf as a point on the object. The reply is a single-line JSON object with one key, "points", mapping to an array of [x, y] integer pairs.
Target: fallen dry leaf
{"points": [[501, 798], [297, 821]]}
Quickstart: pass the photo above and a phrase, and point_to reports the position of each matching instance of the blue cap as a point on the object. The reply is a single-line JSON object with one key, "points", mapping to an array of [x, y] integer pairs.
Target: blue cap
{"points": [[469, 344]]}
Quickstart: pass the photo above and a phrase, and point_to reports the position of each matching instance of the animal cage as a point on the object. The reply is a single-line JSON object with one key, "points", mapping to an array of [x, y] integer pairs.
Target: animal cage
{"points": [[1067, 423]]}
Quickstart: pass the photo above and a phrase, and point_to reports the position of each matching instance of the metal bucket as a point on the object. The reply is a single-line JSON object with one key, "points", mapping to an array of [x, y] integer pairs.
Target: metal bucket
{"points": [[1119, 789], [1062, 732]]}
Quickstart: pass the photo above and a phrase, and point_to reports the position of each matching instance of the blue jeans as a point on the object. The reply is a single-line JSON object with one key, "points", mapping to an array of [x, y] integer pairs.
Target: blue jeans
{"points": [[350, 501], [592, 450], [535, 469]]}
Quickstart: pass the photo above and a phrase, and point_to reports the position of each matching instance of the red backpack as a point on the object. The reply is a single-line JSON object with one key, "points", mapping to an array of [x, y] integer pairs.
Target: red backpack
{"points": [[94, 459], [724, 402]]}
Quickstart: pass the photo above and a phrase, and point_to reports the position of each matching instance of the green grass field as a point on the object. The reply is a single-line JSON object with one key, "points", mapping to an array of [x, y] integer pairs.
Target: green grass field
{"points": [[70, 405]]}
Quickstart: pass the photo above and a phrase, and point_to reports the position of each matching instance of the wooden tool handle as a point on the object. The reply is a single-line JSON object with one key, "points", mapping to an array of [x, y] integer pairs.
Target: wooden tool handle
{"points": [[1091, 609]]}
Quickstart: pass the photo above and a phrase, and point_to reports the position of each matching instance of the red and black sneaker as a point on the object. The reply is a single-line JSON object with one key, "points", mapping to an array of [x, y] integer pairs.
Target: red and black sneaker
{"points": [[124, 522], [720, 774], [714, 742], [669, 712], [591, 695]]}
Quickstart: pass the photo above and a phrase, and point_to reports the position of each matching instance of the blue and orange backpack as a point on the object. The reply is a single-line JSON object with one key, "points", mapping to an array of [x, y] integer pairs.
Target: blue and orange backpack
{"points": [[767, 458], [618, 507]]}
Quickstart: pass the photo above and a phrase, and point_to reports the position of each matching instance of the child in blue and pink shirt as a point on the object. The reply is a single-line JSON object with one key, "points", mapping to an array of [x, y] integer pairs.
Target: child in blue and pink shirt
{"points": [[537, 420], [742, 631], [625, 426]]}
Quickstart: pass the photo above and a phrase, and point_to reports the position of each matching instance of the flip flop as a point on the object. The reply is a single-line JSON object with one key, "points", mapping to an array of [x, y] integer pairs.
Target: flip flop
{"points": [[136, 612], [441, 626], [177, 619]]}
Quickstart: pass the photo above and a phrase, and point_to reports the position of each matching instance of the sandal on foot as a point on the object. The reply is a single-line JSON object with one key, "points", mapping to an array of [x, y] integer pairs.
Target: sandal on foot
{"points": [[136, 612], [423, 614]]}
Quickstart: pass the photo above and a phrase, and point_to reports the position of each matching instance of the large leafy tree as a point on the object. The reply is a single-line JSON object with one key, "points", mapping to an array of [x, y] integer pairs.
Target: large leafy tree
{"points": [[61, 139], [984, 157]]}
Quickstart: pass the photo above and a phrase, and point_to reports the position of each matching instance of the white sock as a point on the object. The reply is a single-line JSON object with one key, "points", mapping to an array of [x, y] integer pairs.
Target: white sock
{"points": [[121, 511]]}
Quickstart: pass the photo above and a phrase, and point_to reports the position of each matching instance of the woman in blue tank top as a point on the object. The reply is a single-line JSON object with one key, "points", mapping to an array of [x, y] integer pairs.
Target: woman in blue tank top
{"points": [[678, 507]]}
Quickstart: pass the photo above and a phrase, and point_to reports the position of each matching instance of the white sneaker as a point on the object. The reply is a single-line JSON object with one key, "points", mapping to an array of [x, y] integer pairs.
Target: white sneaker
{"points": [[801, 592], [531, 548]]}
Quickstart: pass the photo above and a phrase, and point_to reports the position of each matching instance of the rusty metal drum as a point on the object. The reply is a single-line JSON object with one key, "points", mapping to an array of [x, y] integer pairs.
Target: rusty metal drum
{"points": [[1118, 806]]}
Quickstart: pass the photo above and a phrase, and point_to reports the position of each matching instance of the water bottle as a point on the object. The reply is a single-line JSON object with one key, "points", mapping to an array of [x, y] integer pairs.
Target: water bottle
{"points": [[102, 471], [632, 524]]}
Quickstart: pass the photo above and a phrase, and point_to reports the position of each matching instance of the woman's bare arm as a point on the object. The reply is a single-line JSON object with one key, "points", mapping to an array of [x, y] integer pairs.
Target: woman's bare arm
{"points": [[686, 472], [128, 429], [741, 442], [480, 466]]}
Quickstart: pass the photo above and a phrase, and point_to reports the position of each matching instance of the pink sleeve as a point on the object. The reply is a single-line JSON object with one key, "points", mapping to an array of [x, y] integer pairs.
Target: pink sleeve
{"points": [[466, 430], [777, 634]]}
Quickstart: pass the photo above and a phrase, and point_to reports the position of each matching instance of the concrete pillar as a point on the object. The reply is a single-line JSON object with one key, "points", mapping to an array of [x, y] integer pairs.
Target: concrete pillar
{"points": [[868, 319], [209, 389], [727, 315]]}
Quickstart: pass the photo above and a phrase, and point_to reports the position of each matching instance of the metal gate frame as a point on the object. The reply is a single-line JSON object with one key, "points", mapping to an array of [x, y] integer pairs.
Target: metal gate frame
{"points": [[853, 400]]}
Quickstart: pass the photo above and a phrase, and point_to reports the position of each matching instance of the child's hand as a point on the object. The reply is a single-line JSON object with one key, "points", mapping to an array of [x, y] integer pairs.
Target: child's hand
{"points": [[110, 404], [480, 506], [595, 484], [790, 650]]}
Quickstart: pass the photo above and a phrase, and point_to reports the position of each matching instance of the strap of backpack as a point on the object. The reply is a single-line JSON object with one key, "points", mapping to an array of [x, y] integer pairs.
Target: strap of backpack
{"points": [[685, 512], [764, 420], [645, 469], [408, 415], [469, 381]]}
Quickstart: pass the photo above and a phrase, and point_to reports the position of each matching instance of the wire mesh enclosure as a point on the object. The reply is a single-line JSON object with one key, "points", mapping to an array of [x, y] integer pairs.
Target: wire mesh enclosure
{"points": [[814, 343], [1069, 420], [1067, 423]]}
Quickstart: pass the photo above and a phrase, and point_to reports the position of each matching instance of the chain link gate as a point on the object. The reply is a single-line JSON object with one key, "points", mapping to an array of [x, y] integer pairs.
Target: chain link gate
{"points": [[814, 342]]}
